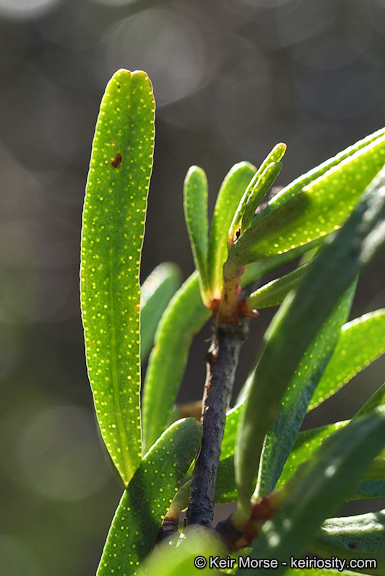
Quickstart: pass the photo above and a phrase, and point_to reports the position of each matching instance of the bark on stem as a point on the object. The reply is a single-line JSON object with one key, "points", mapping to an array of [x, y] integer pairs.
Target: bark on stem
{"points": [[222, 361]]}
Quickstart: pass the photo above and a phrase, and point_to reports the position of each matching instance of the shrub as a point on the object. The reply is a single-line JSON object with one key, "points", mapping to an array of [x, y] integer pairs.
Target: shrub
{"points": [[287, 484]]}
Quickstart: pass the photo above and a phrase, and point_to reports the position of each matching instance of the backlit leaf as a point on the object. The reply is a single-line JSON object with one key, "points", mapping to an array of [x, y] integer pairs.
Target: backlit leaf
{"points": [[156, 292], [183, 318], [298, 216], [297, 323], [112, 237], [360, 343]]}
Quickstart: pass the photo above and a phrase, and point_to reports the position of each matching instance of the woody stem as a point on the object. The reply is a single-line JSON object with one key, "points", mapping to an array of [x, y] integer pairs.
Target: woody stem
{"points": [[222, 360]]}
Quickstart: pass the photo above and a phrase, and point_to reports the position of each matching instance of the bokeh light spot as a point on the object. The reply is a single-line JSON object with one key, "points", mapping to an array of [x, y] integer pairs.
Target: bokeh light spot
{"points": [[60, 454], [25, 9], [164, 43]]}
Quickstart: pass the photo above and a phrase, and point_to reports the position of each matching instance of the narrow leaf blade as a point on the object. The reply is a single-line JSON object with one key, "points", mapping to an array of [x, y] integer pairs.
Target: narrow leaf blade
{"points": [[361, 342], [195, 209], [361, 533], [320, 489], [229, 196], [113, 228], [274, 293], [306, 444], [263, 185], [281, 437], [311, 212], [183, 318], [296, 324], [254, 192], [156, 292]]}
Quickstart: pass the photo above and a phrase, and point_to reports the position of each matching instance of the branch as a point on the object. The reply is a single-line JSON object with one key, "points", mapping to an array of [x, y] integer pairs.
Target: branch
{"points": [[222, 360]]}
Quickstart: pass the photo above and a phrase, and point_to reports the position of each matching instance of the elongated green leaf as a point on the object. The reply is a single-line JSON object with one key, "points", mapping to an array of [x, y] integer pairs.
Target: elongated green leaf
{"points": [[294, 187], [363, 533], [360, 343], [230, 433], [308, 441], [184, 316], [296, 324], [229, 196], [258, 269], [373, 484], [376, 399], [112, 237], [254, 193], [274, 293], [369, 489], [312, 212], [265, 182], [369, 344], [306, 444], [281, 437], [156, 292], [195, 210], [319, 489], [226, 488], [147, 497]]}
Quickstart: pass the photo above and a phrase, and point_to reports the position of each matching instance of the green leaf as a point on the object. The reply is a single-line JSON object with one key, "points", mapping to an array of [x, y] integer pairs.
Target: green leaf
{"points": [[297, 323], [230, 433], [256, 270], [274, 293], [294, 187], [112, 237], [195, 209], [373, 484], [319, 489], [173, 561], [265, 182], [375, 400], [306, 444], [308, 441], [281, 437], [156, 292], [363, 533], [301, 215], [226, 488], [229, 196], [360, 343], [146, 499], [255, 192], [183, 318]]}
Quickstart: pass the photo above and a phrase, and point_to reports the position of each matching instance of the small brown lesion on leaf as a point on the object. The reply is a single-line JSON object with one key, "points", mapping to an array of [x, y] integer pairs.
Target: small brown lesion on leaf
{"points": [[116, 162]]}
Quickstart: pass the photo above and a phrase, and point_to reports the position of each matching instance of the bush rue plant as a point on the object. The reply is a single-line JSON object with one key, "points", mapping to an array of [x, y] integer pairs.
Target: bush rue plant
{"points": [[287, 484]]}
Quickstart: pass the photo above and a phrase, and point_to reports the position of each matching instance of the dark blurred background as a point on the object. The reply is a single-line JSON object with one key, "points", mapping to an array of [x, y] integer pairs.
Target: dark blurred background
{"points": [[231, 78]]}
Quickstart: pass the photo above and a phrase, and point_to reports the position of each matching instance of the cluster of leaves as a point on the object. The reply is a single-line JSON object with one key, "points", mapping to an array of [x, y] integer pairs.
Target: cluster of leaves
{"points": [[332, 217]]}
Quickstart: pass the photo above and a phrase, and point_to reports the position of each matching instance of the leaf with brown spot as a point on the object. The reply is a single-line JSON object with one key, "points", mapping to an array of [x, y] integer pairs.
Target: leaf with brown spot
{"points": [[116, 162], [112, 237]]}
